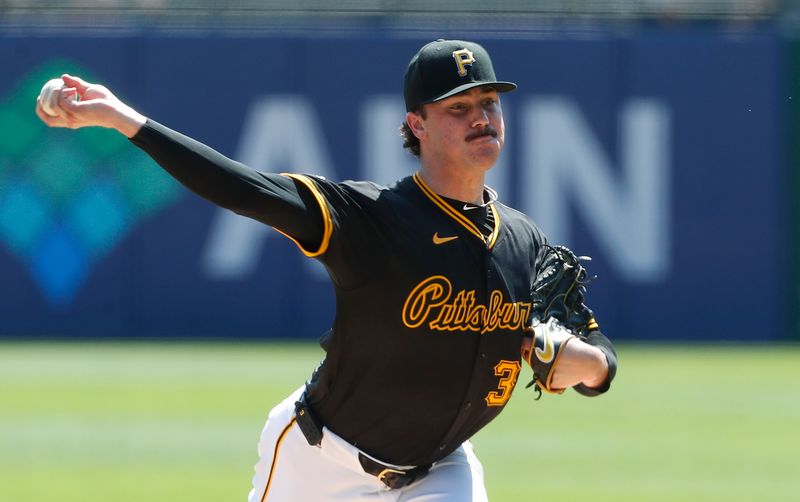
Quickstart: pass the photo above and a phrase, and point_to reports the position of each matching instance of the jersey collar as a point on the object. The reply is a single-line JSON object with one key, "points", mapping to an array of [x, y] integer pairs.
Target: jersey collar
{"points": [[460, 218]]}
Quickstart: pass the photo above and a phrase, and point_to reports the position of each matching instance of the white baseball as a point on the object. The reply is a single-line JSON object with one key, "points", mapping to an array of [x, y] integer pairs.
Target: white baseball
{"points": [[48, 97]]}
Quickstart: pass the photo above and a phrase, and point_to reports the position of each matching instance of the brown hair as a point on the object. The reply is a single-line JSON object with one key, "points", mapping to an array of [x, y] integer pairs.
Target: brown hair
{"points": [[410, 141]]}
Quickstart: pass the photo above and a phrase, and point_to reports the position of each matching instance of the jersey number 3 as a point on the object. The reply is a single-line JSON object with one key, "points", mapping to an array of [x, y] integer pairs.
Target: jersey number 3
{"points": [[508, 372]]}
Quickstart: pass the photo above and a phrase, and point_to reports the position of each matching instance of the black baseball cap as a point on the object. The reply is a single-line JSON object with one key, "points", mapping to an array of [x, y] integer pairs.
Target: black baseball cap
{"points": [[446, 67]]}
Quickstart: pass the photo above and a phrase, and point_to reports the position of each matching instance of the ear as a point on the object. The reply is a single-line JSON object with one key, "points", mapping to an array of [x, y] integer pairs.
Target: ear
{"points": [[416, 123]]}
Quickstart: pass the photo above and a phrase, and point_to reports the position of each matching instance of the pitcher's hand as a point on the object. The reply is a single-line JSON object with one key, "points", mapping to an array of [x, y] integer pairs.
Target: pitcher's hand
{"points": [[83, 104]]}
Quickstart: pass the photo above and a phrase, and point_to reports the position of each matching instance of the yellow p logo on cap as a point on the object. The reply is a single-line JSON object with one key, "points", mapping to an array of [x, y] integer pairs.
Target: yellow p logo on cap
{"points": [[463, 58]]}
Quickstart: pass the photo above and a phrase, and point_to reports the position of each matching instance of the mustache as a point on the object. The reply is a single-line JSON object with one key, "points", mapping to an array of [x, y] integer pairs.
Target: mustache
{"points": [[486, 131]]}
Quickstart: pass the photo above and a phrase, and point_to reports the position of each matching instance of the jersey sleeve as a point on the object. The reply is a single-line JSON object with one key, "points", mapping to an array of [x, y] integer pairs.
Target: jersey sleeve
{"points": [[356, 228], [290, 204]]}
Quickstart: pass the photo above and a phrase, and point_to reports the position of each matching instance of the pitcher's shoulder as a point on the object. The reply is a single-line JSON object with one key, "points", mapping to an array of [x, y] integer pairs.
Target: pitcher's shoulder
{"points": [[516, 219]]}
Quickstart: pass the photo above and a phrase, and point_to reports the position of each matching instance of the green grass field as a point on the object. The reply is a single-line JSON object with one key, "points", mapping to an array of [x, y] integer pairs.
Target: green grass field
{"points": [[166, 422]]}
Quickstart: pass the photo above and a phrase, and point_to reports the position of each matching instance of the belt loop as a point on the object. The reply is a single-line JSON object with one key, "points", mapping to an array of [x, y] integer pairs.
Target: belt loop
{"points": [[311, 428], [308, 423]]}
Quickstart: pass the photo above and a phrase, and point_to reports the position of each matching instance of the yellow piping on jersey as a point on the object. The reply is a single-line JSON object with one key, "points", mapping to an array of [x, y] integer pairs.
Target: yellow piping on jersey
{"points": [[326, 216], [496, 230], [275, 457], [460, 218]]}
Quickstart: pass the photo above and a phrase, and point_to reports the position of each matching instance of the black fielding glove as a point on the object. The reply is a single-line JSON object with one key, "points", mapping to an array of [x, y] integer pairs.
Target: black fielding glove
{"points": [[558, 302], [559, 289]]}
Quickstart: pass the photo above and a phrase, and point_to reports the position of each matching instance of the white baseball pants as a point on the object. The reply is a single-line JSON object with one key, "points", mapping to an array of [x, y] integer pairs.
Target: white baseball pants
{"points": [[289, 469]]}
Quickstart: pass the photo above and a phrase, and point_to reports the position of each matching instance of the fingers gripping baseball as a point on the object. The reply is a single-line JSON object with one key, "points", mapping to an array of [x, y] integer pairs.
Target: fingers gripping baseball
{"points": [[74, 103]]}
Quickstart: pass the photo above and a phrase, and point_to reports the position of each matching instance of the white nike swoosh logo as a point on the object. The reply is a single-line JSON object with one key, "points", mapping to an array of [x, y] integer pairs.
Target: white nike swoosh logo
{"points": [[547, 354]]}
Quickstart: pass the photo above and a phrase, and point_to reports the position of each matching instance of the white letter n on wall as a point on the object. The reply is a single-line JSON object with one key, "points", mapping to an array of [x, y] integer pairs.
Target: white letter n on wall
{"points": [[627, 209]]}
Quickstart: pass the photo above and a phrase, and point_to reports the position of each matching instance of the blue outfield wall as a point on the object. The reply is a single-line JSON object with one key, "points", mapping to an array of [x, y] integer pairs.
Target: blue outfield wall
{"points": [[659, 152]]}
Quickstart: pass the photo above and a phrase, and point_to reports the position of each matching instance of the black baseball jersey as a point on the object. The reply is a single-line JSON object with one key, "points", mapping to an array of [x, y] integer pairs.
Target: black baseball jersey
{"points": [[431, 296]]}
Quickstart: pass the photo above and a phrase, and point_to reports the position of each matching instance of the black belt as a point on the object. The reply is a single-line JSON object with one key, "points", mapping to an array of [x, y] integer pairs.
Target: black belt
{"points": [[311, 428], [391, 477]]}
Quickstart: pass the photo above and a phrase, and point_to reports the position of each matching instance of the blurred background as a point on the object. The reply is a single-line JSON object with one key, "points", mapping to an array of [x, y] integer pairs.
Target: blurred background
{"points": [[657, 136]]}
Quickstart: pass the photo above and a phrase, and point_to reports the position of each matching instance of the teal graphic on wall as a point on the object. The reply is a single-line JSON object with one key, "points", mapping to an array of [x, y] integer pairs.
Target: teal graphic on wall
{"points": [[68, 197]]}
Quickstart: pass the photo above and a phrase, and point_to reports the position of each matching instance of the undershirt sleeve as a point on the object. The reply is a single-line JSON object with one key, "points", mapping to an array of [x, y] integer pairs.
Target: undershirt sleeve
{"points": [[599, 340], [286, 203]]}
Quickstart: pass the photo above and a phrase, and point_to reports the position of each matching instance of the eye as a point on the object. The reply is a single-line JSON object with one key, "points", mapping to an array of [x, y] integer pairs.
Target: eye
{"points": [[457, 107], [489, 102]]}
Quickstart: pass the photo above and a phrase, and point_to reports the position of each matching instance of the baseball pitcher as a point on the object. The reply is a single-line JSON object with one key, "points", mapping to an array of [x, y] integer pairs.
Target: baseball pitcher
{"points": [[442, 291]]}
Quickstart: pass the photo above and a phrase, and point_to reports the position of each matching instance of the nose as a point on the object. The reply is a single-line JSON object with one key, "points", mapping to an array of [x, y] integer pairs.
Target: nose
{"points": [[481, 118]]}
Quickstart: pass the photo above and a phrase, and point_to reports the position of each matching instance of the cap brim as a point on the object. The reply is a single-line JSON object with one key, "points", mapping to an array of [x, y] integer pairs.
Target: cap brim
{"points": [[499, 86]]}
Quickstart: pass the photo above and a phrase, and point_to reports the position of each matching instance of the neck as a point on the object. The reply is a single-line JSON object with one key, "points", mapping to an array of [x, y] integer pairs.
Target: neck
{"points": [[463, 186]]}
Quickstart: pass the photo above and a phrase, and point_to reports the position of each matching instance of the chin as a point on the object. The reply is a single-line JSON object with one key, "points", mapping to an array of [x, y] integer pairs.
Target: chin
{"points": [[486, 158]]}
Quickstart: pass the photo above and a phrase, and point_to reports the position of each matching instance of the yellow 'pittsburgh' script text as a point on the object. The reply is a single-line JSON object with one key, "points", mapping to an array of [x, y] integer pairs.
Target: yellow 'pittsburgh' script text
{"points": [[432, 301]]}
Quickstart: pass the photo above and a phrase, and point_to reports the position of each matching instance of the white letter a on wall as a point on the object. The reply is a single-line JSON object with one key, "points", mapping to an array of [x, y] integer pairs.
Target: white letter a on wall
{"points": [[280, 134]]}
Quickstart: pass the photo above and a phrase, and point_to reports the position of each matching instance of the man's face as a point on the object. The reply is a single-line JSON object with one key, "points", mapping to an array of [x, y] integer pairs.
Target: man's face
{"points": [[465, 130]]}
